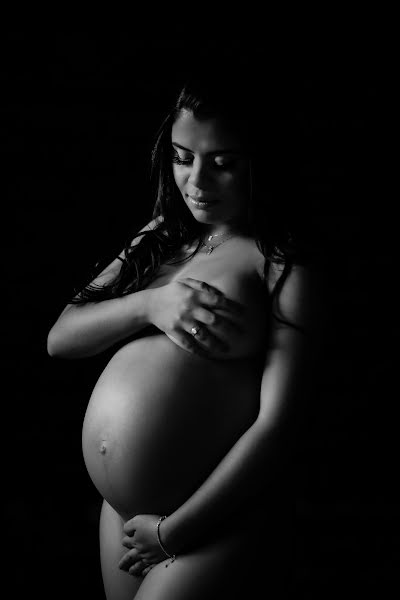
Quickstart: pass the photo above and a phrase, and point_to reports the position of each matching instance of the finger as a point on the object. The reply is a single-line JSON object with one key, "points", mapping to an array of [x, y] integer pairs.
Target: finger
{"points": [[129, 528], [216, 321], [201, 286], [147, 570], [206, 341], [148, 557], [130, 557], [212, 296], [185, 340], [128, 542], [226, 304], [193, 346], [137, 568]]}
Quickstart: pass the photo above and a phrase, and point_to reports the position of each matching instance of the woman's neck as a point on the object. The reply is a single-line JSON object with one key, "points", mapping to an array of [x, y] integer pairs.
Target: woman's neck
{"points": [[219, 231]]}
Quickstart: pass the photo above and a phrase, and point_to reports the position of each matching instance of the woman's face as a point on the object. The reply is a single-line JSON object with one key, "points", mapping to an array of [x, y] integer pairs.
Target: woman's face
{"points": [[210, 170]]}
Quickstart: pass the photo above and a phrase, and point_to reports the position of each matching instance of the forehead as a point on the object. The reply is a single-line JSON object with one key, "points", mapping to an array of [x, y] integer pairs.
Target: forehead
{"points": [[203, 135]]}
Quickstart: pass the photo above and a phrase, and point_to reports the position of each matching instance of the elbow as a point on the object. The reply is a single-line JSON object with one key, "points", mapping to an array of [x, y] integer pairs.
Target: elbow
{"points": [[53, 345], [50, 351], [57, 346], [62, 346]]}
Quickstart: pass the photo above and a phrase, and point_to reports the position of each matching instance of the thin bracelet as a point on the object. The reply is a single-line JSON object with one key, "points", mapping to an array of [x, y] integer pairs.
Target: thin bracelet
{"points": [[173, 557]]}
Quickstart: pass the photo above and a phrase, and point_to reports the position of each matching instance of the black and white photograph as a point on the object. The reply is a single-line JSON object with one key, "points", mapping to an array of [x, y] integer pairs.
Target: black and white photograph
{"points": [[200, 333]]}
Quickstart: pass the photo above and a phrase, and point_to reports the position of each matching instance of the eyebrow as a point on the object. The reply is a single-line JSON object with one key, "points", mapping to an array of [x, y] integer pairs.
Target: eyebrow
{"points": [[224, 151]]}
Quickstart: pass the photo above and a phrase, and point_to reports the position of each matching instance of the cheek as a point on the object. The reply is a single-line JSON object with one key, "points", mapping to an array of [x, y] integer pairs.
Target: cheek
{"points": [[180, 178], [234, 185]]}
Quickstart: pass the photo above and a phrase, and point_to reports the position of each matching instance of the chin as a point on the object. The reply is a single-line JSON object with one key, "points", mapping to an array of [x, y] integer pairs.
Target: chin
{"points": [[206, 219], [203, 216]]}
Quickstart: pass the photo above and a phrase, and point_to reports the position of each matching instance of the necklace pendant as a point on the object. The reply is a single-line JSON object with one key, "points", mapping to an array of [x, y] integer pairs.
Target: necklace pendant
{"points": [[210, 237], [210, 249]]}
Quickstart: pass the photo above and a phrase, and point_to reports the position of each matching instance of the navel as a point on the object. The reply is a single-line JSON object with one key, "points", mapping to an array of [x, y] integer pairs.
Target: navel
{"points": [[103, 447]]}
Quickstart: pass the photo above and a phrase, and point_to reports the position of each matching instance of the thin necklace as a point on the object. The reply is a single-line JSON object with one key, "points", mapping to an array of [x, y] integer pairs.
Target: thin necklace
{"points": [[209, 238], [211, 247]]}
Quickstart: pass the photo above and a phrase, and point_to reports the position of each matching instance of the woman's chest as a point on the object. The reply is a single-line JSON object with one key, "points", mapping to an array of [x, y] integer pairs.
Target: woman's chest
{"points": [[233, 271]]}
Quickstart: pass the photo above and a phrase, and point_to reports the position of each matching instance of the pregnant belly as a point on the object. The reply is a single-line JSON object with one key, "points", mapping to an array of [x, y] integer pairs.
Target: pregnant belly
{"points": [[160, 419]]}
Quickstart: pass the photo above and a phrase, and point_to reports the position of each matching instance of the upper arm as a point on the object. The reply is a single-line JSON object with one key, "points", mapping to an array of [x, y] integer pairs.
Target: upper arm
{"points": [[290, 345]]}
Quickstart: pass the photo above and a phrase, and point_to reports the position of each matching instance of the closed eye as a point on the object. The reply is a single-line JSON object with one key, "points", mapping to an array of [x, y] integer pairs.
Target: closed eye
{"points": [[176, 159], [215, 162]]}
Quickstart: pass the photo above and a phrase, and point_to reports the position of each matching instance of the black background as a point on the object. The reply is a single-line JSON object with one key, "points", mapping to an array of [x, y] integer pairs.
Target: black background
{"points": [[80, 111]]}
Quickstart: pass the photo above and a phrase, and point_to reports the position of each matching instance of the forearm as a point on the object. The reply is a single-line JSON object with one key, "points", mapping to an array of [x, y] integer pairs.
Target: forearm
{"points": [[87, 329], [233, 481]]}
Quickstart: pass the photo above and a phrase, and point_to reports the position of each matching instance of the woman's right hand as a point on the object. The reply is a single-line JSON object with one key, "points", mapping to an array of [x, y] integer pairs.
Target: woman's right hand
{"points": [[180, 305]]}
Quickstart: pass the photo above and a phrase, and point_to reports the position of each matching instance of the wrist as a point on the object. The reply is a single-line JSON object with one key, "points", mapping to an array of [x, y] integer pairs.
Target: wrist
{"points": [[168, 535], [166, 552]]}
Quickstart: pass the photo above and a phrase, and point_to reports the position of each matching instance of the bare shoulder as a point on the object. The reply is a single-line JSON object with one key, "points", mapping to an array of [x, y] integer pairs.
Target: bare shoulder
{"points": [[296, 300], [298, 286], [247, 249]]}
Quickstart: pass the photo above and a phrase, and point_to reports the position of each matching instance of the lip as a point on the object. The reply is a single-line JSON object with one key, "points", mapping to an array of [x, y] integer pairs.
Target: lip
{"points": [[201, 202]]}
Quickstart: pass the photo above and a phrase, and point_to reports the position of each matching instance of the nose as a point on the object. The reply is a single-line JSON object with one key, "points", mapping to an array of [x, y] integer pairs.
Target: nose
{"points": [[199, 176]]}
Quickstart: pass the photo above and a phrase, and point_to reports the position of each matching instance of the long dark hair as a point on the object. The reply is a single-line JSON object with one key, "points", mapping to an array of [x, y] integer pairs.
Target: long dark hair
{"points": [[228, 94]]}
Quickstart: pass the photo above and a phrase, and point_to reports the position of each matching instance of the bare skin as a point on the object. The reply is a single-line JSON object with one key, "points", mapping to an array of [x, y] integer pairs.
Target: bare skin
{"points": [[177, 425], [139, 457], [168, 451]]}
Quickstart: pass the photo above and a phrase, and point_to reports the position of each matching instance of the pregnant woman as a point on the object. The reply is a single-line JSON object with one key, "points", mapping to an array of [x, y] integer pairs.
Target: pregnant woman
{"points": [[208, 309]]}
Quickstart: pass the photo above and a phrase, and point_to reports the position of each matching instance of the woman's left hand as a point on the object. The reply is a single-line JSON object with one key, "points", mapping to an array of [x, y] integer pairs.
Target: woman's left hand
{"points": [[142, 542]]}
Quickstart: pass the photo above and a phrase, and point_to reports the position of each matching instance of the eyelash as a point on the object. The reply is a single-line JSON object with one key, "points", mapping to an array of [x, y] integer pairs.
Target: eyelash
{"points": [[179, 161]]}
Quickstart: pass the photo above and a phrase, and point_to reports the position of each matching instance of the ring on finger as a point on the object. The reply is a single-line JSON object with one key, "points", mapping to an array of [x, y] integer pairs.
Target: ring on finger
{"points": [[195, 330]]}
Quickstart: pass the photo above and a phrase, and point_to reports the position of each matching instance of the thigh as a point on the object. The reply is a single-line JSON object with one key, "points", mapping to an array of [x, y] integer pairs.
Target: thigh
{"points": [[118, 585], [210, 572]]}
